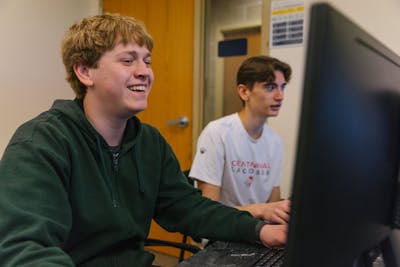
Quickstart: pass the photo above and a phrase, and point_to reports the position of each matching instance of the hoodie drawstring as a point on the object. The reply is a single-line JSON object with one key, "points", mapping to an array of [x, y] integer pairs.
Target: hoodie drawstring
{"points": [[139, 170], [107, 178]]}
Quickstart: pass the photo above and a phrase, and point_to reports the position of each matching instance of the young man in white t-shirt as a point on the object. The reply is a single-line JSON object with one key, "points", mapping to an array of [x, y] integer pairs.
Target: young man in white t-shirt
{"points": [[239, 158]]}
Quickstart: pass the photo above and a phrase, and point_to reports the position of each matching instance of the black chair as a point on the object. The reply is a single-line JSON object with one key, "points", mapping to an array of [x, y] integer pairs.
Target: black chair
{"points": [[183, 246]]}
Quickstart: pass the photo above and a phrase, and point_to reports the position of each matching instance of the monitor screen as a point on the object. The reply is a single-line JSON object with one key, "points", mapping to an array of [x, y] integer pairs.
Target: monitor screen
{"points": [[347, 164]]}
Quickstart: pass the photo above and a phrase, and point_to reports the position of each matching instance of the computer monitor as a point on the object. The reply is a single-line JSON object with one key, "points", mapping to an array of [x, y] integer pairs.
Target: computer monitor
{"points": [[346, 173]]}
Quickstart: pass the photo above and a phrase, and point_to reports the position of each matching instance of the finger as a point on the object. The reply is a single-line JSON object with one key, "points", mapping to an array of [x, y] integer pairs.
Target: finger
{"points": [[284, 217]]}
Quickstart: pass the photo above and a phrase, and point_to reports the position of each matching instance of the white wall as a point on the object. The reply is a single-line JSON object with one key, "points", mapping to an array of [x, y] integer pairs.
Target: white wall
{"points": [[379, 18], [31, 69]]}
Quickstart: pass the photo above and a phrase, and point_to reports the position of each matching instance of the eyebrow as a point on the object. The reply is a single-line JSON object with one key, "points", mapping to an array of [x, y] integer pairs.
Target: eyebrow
{"points": [[134, 53]]}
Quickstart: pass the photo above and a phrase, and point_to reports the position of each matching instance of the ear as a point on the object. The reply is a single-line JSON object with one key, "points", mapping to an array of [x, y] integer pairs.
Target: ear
{"points": [[83, 74], [243, 92]]}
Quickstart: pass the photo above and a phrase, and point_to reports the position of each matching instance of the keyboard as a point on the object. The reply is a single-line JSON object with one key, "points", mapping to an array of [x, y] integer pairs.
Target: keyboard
{"points": [[233, 254]]}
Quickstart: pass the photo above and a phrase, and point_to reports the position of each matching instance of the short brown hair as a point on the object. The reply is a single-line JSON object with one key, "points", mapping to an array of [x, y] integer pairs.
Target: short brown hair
{"points": [[88, 39], [261, 69]]}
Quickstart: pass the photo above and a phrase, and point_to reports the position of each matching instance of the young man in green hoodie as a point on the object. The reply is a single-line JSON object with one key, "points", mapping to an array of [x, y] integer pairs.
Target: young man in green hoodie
{"points": [[80, 183]]}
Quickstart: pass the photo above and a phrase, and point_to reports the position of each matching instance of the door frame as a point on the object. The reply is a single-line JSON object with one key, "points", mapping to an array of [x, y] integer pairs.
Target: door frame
{"points": [[198, 72], [198, 61]]}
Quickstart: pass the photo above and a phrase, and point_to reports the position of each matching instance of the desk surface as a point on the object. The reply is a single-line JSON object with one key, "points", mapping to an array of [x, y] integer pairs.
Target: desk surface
{"points": [[227, 254]]}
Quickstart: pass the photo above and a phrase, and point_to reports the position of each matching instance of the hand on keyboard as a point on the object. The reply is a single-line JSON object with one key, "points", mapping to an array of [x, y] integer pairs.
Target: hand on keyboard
{"points": [[277, 212], [274, 235]]}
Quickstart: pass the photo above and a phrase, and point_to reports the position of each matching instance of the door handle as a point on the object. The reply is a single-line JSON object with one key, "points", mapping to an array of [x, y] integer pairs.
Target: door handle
{"points": [[182, 122]]}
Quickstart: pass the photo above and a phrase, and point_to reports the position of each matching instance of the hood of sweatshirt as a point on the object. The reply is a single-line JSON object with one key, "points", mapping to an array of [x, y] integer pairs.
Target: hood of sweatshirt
{"points": [[73, 110]]}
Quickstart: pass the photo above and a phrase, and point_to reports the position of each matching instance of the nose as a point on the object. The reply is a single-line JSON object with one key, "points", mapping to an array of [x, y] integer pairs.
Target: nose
{"points": [[142, 70], [279, 93]]}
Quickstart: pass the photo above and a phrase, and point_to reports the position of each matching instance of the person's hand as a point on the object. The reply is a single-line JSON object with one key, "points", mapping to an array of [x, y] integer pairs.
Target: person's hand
{"points": [[277, 212], [274, 235], [274, 212]]}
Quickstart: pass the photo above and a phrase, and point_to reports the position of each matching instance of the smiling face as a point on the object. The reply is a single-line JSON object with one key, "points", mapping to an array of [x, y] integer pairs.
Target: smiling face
{"points": [[265, 98], [121, 81]]}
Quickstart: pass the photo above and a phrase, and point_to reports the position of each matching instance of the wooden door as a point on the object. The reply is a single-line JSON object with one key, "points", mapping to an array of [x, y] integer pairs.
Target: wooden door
{"points": [[231, 101], [171, 23]]}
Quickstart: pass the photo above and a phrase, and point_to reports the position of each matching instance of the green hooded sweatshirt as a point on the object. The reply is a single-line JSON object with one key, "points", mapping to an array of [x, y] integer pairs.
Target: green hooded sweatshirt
{"points": [[67, 200]]}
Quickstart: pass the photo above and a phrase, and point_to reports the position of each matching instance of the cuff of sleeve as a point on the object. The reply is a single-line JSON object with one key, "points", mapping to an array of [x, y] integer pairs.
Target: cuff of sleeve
{"points": [[257, 229]]}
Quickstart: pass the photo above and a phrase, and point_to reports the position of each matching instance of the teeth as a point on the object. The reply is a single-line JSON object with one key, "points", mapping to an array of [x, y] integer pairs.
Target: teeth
{"points": [[139, 88]]}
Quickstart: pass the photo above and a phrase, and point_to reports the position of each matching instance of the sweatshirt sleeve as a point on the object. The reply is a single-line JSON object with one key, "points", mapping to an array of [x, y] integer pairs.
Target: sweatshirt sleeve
{"points": [[181, 207], [35, 215]]}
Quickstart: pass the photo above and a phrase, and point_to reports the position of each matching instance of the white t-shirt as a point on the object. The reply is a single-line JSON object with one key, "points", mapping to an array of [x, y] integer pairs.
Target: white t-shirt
{"points": [[245, 169]]}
